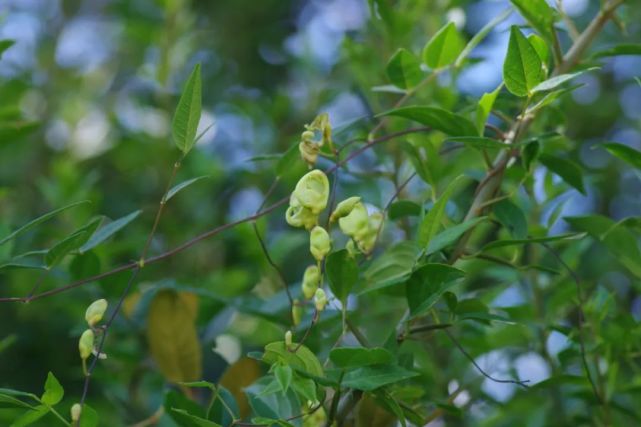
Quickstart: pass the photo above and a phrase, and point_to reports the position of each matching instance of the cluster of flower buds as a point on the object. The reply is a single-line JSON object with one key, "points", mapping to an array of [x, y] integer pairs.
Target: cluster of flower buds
{"points": [[356, 223], [93, 315], [316, 134], [308, 200]]}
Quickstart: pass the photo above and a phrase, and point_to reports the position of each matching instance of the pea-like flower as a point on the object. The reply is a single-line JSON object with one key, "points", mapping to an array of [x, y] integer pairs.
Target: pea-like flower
{"points": [[368, 240], [344, 208], [308, 200], [316, 134], [311, 280], [355, 224], [95, 311], [319, 243], [320, 300], [85, 344]]}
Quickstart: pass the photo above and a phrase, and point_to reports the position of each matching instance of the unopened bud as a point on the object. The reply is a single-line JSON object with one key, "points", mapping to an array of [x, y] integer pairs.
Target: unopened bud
{"points": [[85, 344], [355, 224], [288, 339], [311, 280], [297, 313], [319, 243], [320, 299], [95, 311], [76, 410], [368, 240]]}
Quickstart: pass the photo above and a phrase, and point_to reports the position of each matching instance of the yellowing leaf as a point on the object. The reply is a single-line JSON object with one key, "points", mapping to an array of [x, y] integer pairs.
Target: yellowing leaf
{"points": [[171, 334], [243, 373]]}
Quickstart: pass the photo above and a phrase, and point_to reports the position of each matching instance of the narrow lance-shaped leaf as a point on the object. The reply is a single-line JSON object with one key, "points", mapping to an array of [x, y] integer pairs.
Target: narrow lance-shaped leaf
{"points": [[432, 221], [342, 272], [4, 45], [522, 69], [444, 47], [404, 70], [107, 231], [187, 116], [484, 108], [179, 187], [478, 37], [625, 153], [71, 242], [39, 220], [555, 81], [622, 49], [569, 171], [437, 118]]}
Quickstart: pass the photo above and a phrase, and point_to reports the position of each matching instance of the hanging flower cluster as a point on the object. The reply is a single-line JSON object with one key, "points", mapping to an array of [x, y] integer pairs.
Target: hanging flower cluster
{"points": [[315, 136], [308, 200], [93, 316]]}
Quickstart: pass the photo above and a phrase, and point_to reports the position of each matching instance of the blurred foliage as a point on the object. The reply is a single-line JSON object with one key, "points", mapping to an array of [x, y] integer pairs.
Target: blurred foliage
{"points": [[539, 283]]}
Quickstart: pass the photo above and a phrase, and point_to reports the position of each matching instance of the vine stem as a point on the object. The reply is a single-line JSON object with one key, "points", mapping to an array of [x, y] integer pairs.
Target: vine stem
{"points": [[217, 230]]}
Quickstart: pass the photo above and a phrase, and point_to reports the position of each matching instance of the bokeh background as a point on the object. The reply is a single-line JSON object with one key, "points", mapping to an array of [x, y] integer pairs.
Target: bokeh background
{"points": [[93, 85]]}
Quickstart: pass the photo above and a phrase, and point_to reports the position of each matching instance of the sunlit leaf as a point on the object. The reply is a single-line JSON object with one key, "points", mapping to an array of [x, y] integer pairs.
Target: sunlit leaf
{"points": [[404, 70], [444, 47], [522, 69], [187, 116]]}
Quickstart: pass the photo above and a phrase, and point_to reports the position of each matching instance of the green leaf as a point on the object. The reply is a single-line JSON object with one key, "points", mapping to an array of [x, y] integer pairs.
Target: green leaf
{"points": [[107, 231], [303, 359], [404, 69], [189, 420], [436, 118], [519, 242], [530, 153], [70, 243], [7, 401], [417, 161], [621, 49], [403, 208], [625, 153], [88, 417], [539, 14], [522, 69], [31, 416], [306, 388], [370, 378], [179, 408], [426, 285], [444, 47], [392, 267], [4, 45], [480, 142], [39, 220], [450, 235], [569, 171], [541, 48], [484, 108], [555, 81], [283, 374], [53, 391], [224, 414], [187, 116], [175, 189], [551, 97], [342, 272], [480, 35], [432, 221], [353, 357], [512, 218]]}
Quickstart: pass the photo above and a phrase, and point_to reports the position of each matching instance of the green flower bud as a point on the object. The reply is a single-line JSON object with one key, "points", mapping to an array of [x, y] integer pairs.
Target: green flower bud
{"points": [[368, 240], [355, 224], [320, 299], [85, 344], [344, 208], [311, 192], [95, 311], [297, 312], [76, 409], [319, 243], [288, 339], [311, 280]]}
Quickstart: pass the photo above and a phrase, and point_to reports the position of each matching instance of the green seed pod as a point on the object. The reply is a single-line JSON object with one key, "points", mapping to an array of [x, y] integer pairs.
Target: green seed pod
{"points": [[311, 192], [344, 208], [297, 313], [85, 344], [311, 280], [288, 339], [95, 311], [320, 300], [355, 224], [319, 243], [76, 410]]}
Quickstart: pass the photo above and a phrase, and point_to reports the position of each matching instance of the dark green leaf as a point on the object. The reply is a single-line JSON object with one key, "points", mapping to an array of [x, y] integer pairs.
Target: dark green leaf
{"points": [[622, 49], [426, 285], [420, 166], [519, 242], [70, 243], [4, 45], [403, 208], [569, 171], [436, 118], [539, 14], [187, 116], [342, 272], [625, 153], [450, 235], [39, 220], [392, 267], [404, 69], [530, 154], [283, 374], [480, 142], [89, 417], [372, 377], [351, 357], [512, 218], [432, 221], [444, 47], [107, 231], [522, 69]]}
